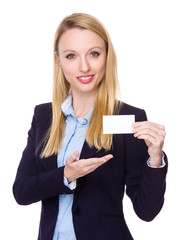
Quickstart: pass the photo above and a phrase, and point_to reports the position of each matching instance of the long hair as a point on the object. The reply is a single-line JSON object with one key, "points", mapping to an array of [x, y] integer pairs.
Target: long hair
{"points": [[105, 102]]}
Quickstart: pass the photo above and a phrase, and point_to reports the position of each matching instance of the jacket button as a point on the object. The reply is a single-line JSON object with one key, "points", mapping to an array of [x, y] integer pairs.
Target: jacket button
{"points": [[77, 211]]}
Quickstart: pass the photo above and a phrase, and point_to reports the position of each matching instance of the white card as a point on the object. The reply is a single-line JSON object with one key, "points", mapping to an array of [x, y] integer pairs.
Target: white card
{"points": [[118, 124]]}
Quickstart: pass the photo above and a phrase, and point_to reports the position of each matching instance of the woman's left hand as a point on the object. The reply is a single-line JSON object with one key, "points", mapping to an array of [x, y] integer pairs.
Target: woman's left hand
{"points": [[154, 135]]}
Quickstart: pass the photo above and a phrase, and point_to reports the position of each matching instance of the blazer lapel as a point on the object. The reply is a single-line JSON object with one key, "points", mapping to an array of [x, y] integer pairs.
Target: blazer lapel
{"points": [[86, 151]]}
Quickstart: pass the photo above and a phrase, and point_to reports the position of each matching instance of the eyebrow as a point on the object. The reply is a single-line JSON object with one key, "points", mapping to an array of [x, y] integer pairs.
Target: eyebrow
{"points": [[70, 50]]}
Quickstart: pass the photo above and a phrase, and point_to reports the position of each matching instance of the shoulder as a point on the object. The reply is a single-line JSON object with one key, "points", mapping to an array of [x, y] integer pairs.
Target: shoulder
{"points": [[129, 109], [126, 109], [43, 109], [43, 114]]}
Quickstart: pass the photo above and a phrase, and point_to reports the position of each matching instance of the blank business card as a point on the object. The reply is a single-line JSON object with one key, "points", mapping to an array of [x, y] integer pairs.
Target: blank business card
{"points": [[118, 124]]}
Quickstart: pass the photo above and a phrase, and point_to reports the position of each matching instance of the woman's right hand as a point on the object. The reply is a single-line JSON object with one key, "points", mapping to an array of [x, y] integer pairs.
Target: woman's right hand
{"points": [[78, 168]]}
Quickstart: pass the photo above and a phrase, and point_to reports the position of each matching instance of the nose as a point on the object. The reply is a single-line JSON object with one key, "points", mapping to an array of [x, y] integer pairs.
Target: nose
{"points": [[84, 65]]}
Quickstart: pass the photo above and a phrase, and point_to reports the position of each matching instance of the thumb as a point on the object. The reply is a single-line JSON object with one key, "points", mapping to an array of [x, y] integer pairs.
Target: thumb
{"points": [[73, 157]]}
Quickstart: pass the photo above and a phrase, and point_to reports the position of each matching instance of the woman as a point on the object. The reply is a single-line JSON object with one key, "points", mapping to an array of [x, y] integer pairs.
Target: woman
{"points": [[83, 199]]}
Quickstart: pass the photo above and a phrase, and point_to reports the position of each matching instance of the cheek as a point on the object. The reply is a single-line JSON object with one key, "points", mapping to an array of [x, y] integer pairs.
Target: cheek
{"points": [[101, 67], [69, 69]]}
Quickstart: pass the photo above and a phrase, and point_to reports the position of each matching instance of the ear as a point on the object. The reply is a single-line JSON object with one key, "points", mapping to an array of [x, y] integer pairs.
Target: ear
{"points": [[57, 59]]}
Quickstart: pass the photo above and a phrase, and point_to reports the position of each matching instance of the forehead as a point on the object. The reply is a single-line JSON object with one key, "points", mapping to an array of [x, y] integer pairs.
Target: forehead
{"points": [[79, 40]]}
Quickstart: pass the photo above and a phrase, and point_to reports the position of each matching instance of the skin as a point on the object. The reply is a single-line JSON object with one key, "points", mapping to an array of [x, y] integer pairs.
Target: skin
{"points": [[153, 135], [82, 52]]}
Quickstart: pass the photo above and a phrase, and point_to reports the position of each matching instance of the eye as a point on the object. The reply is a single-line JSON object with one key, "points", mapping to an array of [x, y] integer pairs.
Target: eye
{"points": [[95, 54], [70, 56]]}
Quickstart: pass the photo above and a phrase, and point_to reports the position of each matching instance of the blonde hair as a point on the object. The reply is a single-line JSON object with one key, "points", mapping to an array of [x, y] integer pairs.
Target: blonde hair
{"points": [[105, 102]]}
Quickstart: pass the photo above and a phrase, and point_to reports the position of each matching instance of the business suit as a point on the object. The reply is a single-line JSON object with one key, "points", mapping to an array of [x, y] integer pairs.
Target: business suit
{"points": [[97, 206]]}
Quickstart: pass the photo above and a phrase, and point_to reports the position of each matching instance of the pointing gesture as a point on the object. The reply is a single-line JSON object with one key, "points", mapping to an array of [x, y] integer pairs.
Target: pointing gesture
{"points": [[78, 168]]}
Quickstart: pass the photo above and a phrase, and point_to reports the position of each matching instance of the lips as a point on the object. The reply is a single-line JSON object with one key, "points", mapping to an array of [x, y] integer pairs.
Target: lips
{"points": [[85, 78]]}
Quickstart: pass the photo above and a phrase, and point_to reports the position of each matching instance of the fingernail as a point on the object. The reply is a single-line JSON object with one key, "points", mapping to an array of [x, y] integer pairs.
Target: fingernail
{"points": [[76, 153]]}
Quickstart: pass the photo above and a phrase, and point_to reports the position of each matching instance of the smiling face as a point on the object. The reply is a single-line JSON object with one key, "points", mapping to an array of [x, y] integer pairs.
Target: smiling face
{"points": [[82, 57]]}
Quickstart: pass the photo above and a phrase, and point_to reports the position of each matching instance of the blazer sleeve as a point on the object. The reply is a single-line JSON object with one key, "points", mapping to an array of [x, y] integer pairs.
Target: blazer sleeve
{"points": [[32, 183], [144, 185]]}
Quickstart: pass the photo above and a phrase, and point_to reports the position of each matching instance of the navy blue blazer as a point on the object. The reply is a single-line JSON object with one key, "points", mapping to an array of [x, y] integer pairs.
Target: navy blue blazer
{"points": [[97, 207]]}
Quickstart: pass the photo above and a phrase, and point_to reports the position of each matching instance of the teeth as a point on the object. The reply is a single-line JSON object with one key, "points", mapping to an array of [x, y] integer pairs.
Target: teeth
{"points": [[85, 78]]}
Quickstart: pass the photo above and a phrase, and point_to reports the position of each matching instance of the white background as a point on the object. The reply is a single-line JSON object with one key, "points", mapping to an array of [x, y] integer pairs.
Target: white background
{"points": [[148, 39]]}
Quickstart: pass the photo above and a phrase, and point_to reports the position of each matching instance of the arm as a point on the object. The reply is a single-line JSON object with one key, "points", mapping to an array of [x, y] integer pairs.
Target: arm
{"points": [[144, 185], [34, 183]]}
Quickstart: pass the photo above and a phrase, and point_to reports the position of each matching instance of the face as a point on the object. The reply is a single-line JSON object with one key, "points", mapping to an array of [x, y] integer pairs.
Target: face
{"points": [[82, 57]]}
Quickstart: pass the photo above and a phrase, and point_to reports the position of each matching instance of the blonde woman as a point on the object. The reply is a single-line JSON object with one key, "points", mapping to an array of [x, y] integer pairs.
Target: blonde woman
{"points": [[78, 172]]}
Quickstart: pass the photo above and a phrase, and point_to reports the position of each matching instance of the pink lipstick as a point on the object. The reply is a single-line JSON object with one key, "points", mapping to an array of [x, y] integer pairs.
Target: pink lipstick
{"points": [[85, 78]]}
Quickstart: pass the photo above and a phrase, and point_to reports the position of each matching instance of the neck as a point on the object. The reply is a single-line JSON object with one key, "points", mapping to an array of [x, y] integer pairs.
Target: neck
{"points": [[82, 104]]}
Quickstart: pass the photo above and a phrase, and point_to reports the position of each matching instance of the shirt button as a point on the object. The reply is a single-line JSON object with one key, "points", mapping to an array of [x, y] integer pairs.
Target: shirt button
{"points": [[85, 121], [77, 211]]}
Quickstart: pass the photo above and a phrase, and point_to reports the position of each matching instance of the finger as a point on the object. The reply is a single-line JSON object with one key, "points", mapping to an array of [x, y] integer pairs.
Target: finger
{"points": [[100, 160], [148, 131], [150, 126], [147, 123], [95, 161], [137, 124], [89, 165], [156, 142], [72, 157], [151, 131], [107, 157]]}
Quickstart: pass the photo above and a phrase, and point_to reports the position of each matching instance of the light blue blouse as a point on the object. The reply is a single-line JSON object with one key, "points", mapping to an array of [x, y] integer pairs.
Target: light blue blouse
{"points": [[75, 134]]}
